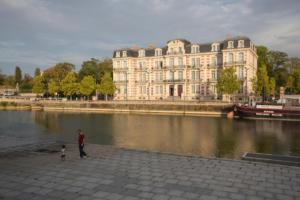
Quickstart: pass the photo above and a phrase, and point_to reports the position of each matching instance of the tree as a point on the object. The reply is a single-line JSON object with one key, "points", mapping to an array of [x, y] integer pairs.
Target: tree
{"points": [[262, 53], [37, 72], [38, 85], [9, 81], [272, 86], [2, 78], [27, 83], [276, 59], [58, 72], [18, 75], [95, 68], [228, 82], [107, 86], [87, 86], [69, 84], [53, 88], [262, 80]]}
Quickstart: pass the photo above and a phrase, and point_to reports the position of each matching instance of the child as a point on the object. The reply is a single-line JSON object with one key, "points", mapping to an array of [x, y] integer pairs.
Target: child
{"points": [[63, 155]]}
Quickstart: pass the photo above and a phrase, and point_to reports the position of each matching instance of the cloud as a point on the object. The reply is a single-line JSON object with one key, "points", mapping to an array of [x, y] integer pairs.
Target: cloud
{"points": [[41, 33]]}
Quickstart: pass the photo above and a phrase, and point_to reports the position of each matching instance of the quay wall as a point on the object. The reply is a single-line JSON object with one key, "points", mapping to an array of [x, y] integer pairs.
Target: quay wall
{"points": [[168, 108]]}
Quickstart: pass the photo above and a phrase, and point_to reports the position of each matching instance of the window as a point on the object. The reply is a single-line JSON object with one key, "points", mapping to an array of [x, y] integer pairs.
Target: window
{"points": [[193, 89], [161, 89], [171, 75], [144, 77], [241, 72], [193, 62], [140, 76], [215, 61], [124, 53], [197, 89], [180, 75], [180, 50], [171, 62], [161, 76], [141, 65], [157, 64], [230, 44], [141, 53], [141, 89], [230, 57], [197, 75], [156, 89], [241, 57], [193, 75], [118, 64], [198, 62], [125, 64], [158, 52], [241, 44], [213, 75], [180, 61], [118, 54], [195, 49]]}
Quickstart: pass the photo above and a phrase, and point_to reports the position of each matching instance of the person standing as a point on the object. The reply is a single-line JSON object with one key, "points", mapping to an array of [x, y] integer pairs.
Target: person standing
{"points": [[81, 144]]}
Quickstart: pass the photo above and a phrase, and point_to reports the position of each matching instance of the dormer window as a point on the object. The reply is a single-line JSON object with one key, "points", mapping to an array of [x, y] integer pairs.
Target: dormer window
{"points": [[180, 50], [158, 52], [215, 47], [241, 44], [124, 53], [142, 53], [118, 54], [195, 49], [230, 44]]}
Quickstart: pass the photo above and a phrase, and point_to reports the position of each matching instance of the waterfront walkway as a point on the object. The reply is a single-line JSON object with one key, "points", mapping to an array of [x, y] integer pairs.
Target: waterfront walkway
{"points": [[36, 172]]}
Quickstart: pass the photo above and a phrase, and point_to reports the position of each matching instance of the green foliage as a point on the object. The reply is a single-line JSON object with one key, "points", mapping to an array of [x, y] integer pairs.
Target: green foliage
{"points": [[228, 82], [69, 84], [107, 86], [18, 75], [38, 85], [95, 68], [87, 86], [262, 52], [27, 84], [262, 80], [37, 72], [58, 72], [9, 81], [53, 88], [2, 78], [272, 86]]}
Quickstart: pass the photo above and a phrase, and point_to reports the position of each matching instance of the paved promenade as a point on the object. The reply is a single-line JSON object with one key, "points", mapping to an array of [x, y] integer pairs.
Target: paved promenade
{"points": [[36, 172]]}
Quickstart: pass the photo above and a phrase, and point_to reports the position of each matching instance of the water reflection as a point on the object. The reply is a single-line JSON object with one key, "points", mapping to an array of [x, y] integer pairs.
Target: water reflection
{"points": [[206, 136]]}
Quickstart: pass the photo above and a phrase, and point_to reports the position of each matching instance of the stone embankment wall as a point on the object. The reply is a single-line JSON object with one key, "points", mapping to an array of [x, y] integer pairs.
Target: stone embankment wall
{"points": [[179, 108]]}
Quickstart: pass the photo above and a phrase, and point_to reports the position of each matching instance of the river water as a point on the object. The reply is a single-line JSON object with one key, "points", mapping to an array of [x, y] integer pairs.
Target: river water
{"points": [[205, 136]]}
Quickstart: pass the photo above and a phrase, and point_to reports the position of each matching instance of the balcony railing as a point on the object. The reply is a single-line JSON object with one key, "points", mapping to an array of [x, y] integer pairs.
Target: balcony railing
{"points": [[140, 69], [120, 69], [173, 80], [120, 81], [234, 63], [175, 67]]}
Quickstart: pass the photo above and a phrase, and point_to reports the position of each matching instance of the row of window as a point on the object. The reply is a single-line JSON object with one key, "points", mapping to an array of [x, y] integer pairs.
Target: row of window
{"points": [[179, 61], [194, 49]]}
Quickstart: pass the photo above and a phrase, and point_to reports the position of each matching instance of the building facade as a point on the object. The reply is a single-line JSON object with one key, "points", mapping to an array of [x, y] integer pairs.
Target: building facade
{"points": [[182, 70]]}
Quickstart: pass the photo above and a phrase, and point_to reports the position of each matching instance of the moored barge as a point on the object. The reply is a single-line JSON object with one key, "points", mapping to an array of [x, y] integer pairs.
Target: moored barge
{"points": [[267, 111]]}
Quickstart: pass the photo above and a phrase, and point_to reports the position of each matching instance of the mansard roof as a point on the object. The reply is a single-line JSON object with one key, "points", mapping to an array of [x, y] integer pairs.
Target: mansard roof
{"points": [[204, 47]]}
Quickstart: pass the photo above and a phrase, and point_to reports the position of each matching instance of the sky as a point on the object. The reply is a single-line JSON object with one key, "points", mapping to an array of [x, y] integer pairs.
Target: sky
{"points": [[40, 33]]}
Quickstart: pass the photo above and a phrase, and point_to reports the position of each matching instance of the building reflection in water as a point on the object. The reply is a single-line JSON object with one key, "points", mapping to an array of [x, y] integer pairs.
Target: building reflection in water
{"points": [[206, 136]]}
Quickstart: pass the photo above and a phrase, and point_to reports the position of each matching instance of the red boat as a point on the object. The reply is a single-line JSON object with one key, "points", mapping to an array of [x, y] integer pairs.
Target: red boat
{"points": [[267, 111]]}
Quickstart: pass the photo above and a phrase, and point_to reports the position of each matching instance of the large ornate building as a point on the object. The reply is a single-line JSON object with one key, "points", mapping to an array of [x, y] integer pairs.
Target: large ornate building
{"points": [[182, 70]]}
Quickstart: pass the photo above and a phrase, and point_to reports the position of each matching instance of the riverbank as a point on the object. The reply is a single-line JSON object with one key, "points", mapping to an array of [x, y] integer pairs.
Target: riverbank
{"points": [[115, 173], [146, 107]]}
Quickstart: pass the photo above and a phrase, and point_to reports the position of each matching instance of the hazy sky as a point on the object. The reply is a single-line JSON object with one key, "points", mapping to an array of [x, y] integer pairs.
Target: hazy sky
{"points": [[40, 33]]}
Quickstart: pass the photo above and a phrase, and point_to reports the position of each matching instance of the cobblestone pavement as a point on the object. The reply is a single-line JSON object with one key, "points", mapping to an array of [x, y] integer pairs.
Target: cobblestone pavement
{"points": [[112, 173]]}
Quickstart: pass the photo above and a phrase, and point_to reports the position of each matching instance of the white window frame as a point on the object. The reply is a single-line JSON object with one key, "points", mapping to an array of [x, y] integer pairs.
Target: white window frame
{"points": [[118, 54], [230, 44], [241, 44]]}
